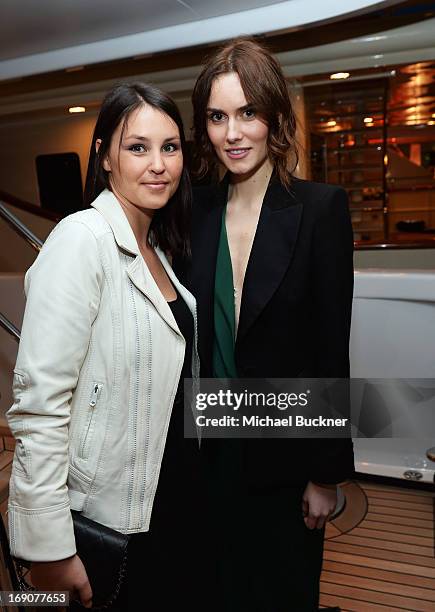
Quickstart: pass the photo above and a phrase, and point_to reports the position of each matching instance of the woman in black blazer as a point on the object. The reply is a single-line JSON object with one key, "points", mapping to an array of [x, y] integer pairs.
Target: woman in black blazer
{"points": [[285, 246]]}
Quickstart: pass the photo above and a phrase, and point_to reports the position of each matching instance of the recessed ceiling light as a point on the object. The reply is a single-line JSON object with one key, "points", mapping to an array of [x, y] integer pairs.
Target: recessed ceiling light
{"points": [[340, 75], [373, 38], [77, 109], [331, 123], [368, 119], [74, 69]]}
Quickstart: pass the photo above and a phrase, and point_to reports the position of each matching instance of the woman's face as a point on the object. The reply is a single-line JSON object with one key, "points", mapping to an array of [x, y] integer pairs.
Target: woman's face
{"points": [[145, 167], [238, 135]]}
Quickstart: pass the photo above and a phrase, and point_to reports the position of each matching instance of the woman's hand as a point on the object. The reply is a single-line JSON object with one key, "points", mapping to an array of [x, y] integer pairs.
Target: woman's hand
{"points": [[318, 502], [64, 575]]}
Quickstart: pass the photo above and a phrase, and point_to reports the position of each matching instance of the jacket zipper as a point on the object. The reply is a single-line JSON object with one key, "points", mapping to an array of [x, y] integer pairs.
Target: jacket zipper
{"points": [[95, 395], [143, 477], [132, 521], [195, 363]]}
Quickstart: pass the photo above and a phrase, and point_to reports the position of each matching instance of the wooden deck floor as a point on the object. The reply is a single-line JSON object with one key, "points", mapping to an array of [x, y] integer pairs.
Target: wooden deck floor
{"points": [[379, 554], [386, 562]]}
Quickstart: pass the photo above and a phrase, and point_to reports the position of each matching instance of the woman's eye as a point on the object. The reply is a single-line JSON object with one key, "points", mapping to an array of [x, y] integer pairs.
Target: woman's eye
{"points": [[137, 148], [170, 147], [216, 117], [249, 113]]}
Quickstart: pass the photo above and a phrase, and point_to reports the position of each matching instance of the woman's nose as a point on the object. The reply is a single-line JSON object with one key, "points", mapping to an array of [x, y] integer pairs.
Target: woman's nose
{"points": [[233, 131], [157, 164]]}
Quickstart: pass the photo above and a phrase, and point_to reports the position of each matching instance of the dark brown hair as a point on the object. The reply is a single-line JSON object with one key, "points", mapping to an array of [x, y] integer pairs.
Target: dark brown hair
{"points": [[265, 87], [170, 225]]}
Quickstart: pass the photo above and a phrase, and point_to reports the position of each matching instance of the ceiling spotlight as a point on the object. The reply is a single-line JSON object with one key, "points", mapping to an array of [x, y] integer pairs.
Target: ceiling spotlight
{"points": [[368, 119], [340, 75], [77, 109], [74, 69], [373, 38], [331, 123]]}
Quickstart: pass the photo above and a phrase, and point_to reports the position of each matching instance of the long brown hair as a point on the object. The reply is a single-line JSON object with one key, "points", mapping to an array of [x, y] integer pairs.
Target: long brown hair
{"points": [[170, 225], [265, 87]]}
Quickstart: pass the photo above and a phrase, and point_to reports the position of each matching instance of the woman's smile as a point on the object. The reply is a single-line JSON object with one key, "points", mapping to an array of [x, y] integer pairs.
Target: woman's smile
{"points": [[239, 153], [157, 186]]}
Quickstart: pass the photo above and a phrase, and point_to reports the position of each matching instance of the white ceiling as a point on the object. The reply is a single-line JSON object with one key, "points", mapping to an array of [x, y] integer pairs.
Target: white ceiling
{"points": [[43, 35], [407, 44], [35, 26]]}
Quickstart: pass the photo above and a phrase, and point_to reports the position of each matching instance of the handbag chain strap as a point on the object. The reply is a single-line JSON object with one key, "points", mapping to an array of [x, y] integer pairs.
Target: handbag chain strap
{"points": [[25, 586], [122, 572], [22, 582]]}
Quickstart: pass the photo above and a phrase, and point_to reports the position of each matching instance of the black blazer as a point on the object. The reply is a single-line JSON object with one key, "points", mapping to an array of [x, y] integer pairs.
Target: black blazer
{"points": [[295, 312]]}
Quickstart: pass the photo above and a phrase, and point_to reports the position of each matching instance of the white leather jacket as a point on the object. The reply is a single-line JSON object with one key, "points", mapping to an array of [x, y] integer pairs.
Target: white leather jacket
{"points": [[97, 371]]}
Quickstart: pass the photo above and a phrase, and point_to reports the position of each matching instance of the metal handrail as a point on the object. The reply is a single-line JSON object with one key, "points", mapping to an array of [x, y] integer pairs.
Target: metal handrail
{"points": [[34, 241], [9, 327], [20, 228]]}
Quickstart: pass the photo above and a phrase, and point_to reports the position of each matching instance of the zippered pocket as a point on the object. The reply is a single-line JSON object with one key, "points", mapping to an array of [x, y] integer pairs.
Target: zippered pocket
{"points": [[21, 462], [97, 388]]}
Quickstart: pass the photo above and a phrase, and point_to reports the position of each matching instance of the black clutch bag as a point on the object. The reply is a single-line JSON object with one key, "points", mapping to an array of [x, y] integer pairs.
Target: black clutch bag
{"points": [[103, 552]]}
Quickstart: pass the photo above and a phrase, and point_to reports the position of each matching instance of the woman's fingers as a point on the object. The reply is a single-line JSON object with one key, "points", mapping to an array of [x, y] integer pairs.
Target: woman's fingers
{"points": [[321, 522], [317, 505], [315, 521], [85, 594]]}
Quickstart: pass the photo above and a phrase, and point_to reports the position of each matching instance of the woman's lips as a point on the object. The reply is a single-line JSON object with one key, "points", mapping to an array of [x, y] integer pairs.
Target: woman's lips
{"points": [[156, 186], [239, 153]]}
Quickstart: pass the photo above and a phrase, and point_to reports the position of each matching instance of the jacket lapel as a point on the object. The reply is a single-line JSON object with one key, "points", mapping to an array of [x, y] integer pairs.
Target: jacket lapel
{"points": [[271, 253], [109, 207], [143, 280], [205, 240]]}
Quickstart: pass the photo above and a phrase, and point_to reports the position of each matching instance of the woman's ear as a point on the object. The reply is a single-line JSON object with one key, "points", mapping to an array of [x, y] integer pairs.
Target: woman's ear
{"points": [[106, 163]]}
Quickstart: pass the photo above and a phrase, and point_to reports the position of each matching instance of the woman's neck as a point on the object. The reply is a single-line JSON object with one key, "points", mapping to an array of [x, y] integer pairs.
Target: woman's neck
{"points": [[248, 191], [138, 218]]}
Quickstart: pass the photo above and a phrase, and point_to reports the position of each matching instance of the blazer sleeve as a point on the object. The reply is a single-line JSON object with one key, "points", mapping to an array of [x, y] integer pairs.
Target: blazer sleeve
{"points": [[63, 291], [332, 461]]}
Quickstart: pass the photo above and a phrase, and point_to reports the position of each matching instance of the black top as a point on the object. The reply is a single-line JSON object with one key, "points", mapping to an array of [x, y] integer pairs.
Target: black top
{"points": [[184, 320], [179, 487]]}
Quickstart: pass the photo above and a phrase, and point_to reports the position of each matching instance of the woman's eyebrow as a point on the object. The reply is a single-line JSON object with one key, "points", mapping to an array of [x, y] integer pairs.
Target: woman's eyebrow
{"points": [[145, 139], [218, 110]]}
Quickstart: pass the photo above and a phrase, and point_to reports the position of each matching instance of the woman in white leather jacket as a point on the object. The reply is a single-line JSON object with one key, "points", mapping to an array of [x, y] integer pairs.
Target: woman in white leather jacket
{"points": [[102, 352]]}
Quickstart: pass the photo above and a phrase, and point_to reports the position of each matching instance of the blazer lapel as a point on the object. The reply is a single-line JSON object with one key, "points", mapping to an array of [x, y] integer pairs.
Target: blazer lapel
{"points": [[205, 241], [271, 253]]}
